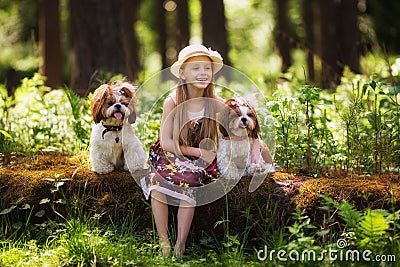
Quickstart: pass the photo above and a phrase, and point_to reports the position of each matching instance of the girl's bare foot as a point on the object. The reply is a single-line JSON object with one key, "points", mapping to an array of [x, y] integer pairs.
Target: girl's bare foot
{"points": [[165, 249], [179, 250]]}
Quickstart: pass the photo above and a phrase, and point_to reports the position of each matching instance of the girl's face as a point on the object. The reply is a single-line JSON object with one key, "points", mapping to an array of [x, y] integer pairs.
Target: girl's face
{"points": [[197, 72]]}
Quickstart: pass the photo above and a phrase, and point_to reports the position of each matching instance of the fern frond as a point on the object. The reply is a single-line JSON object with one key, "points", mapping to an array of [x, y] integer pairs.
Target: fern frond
{"points": [[373, 224], [373, 228], [349, 214]]}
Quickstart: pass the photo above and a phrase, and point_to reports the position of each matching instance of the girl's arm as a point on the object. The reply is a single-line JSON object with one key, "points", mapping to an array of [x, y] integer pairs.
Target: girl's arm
{"points": [[220, 103], [167, 125], [166, 135]]}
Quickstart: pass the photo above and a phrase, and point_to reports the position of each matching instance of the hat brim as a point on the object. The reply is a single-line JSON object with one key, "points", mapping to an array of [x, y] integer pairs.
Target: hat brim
{"points": [[217, 63]]}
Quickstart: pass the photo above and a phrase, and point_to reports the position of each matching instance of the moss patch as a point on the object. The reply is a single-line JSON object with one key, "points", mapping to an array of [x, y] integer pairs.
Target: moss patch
{"points": [[376, 192]]}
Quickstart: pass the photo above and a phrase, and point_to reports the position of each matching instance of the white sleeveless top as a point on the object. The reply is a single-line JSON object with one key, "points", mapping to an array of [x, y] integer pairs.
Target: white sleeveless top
{"points": [[193, 116]]}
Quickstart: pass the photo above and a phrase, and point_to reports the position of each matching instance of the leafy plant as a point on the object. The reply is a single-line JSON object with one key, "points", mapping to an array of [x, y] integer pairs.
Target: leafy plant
{"points": [[309, 97], [284, 111], [383, 118], [16, 220], [79, 122], [350, 113], [301, 233], [373, 228], [370, 229]]}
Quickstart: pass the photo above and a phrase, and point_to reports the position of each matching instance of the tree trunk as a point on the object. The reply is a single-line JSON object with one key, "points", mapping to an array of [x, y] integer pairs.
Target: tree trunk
{"points": [[97, 43], [129, 39], [214, 31], [50, 43], [331, 70], [182, 24], [283, 38], [162, 37], [350, 35], [308, 15]]}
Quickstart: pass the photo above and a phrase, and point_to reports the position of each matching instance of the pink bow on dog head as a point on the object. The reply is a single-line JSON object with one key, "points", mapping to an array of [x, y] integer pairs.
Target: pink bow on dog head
{"points": [[238, 102]]}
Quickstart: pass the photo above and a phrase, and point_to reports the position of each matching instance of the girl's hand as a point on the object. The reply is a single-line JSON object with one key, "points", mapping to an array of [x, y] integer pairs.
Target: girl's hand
{"points": [[207, 155]]}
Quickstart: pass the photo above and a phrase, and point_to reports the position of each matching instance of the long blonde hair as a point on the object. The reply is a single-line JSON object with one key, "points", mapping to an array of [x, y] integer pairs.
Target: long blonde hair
{"points": [[183, 130]]}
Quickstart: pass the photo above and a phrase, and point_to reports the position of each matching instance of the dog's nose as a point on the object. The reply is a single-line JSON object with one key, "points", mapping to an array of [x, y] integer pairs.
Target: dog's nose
{"points": [[244, 120], [117, 106]]}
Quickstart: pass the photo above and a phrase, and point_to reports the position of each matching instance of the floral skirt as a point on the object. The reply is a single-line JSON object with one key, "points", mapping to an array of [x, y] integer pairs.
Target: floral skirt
{"points": [[177, 176]]}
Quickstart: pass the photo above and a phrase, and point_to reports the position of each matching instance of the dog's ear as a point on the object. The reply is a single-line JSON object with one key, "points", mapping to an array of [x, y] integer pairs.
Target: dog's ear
{"points": [[224, 125], [256, 131], [130, 93], [132, 116], [98, 99]]}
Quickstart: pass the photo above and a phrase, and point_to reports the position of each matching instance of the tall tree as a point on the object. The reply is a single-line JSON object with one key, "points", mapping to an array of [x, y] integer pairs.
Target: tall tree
{"points": [[282, 35], [213, 21], [182, 24], [384, 15], [162, 32], [50, 43], [349, 35], [129, 39], [331, 69], [335, 38], [101, 41], [308, 15]]}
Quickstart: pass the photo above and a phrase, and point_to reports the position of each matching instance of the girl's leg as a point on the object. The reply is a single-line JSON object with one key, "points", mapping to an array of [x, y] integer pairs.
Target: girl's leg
{"points": [[185, 217], [159, 207]]}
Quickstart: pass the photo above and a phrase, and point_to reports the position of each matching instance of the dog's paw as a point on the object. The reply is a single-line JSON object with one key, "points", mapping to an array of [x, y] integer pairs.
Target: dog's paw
{"points": [[263, 168], [231, 174], [135, 161], [135, 167], [103, 170]]}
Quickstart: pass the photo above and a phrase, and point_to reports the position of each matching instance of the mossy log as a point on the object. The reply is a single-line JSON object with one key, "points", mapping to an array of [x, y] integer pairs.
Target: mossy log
{"points": [[65, 184]]}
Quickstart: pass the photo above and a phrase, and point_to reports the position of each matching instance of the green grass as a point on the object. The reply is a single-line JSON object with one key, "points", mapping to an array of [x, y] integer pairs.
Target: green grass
{"points": [[85, 243]]}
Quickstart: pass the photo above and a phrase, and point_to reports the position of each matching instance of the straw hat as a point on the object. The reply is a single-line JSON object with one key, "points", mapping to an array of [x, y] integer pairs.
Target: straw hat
{"points": [[193, 51]]}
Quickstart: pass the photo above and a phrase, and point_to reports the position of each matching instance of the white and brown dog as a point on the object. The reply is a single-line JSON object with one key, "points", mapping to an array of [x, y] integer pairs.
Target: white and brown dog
{"points": [[240, 150], [113, 144]]}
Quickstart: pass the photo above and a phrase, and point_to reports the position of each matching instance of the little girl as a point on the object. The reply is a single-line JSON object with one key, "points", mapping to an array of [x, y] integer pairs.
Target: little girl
{"points": [[184, 156]]}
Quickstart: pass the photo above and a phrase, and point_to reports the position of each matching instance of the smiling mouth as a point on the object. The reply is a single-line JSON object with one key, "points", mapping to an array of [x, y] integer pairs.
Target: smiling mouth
{"points": [[202, 79]]}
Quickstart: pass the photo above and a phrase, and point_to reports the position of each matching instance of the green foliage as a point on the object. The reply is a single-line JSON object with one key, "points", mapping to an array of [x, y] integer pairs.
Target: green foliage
{"points": [[16, 220], [17, 48], [374, 230], [43, 119], [353, 129], [345, 210], [283, 109], [79, 121], [300, 237]]}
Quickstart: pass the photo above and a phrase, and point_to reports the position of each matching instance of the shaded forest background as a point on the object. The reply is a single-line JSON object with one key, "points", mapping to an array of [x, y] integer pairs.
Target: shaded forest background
{"points": [[75, 42]]}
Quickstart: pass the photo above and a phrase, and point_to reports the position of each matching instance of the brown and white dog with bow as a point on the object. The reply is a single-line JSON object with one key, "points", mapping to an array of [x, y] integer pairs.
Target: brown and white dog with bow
{"points": [[113, 144], [240, 150]]}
